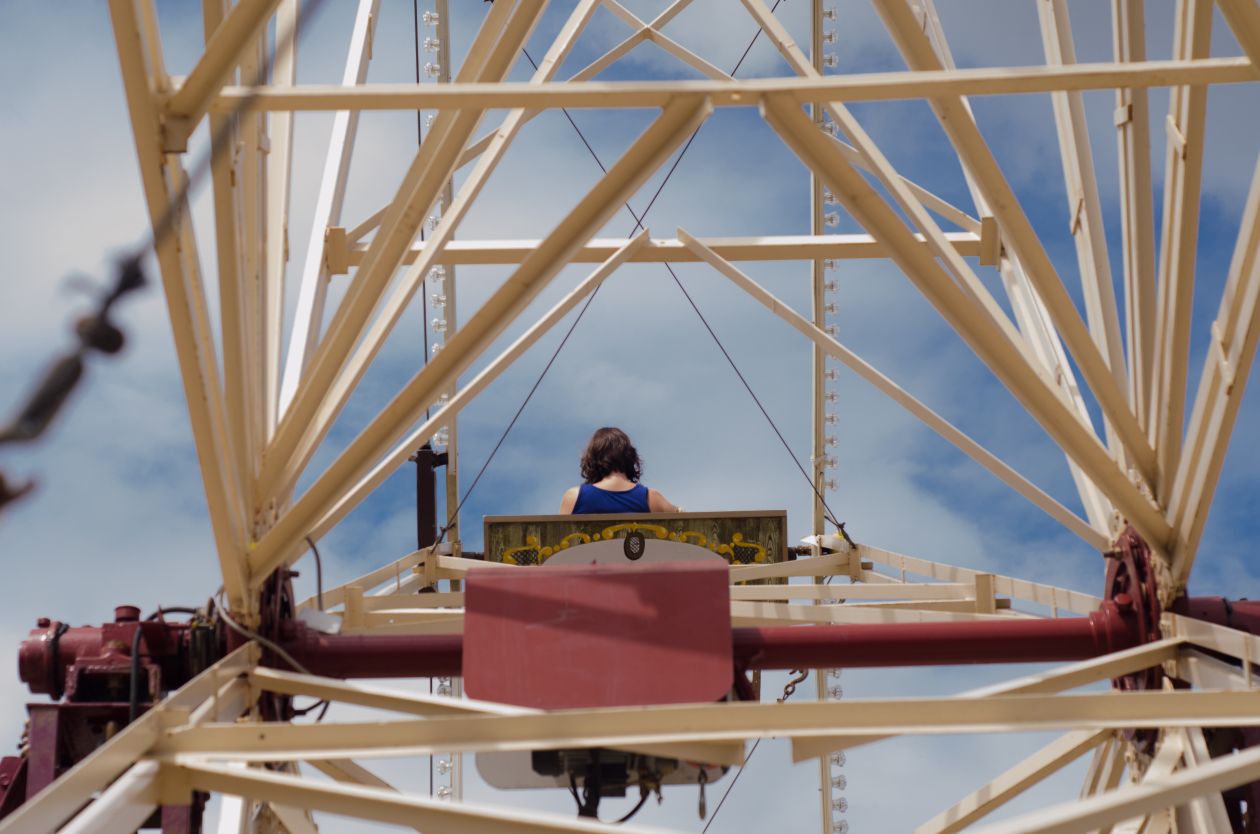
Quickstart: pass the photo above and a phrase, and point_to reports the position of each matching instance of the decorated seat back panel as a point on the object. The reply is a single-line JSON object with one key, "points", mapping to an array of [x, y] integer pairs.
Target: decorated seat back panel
{"points": [[742, 537]]}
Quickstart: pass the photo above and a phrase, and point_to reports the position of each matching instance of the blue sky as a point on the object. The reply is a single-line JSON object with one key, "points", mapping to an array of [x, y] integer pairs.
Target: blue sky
{"points": [[120, 518]]}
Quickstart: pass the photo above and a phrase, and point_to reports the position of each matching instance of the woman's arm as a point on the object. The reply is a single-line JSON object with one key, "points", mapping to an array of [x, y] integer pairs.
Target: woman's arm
{"points": [[658, 503], [567, 502]]}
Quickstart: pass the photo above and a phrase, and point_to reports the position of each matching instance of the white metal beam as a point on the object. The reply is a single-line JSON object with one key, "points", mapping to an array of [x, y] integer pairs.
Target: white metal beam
{"points": [[313, 288], [744, 93], [1186, 127], [453, 212], [403, 450], [1141, 798], [490, 57], [1137, 217], [123, 806], [73, 789], [1027, 382], [1047, 761], [431, 815], [643, 157], [239, 31], [996, 466], [1235, 334], [638, 726], [1085, 214], [163, 178], [1020, 237]]}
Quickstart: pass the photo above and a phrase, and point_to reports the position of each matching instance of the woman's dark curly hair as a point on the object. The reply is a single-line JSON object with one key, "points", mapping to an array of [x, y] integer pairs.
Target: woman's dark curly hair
{"points": [[610, 450]]}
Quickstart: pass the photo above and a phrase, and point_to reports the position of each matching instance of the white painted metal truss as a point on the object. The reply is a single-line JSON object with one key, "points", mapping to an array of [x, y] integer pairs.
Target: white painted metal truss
{"points": [[257, 420]]}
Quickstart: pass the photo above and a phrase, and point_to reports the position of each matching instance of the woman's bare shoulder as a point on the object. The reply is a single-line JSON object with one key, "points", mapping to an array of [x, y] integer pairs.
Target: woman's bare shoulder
{"points": [[658, 503]]}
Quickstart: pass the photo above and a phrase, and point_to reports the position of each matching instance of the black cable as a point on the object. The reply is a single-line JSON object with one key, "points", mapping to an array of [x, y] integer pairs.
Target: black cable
{"points": [[669, 268], [638, 220], [730, 787], [451, 520], [643, 797], [162, 611], [319, 574], [219, 139]]}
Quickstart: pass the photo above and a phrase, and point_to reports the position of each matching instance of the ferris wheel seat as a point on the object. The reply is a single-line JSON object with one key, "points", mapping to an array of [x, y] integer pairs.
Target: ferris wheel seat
{"points": [[599, 635]]}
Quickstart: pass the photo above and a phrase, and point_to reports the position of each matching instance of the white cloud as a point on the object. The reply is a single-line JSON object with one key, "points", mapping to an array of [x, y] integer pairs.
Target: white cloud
{"points": [[120, 518]]}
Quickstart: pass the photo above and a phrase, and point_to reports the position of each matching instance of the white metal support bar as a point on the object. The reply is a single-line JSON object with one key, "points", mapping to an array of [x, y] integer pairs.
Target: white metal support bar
{"points": [[239, 31], [1141, 798], [1031, 771], [313, 289], [643, 157], [412, 280], [1084, 205], [386, 806], [225, 174], [279, 177], [1030, 311], [1025, 380], [1243, 17], [1183, 175], [1137, 217], [1019, 236], [491, 55], [123, 806], [890, 86], [934, 421], [1226, 368], [244, 380], [49, 809], [185, 297], [403, 450]]}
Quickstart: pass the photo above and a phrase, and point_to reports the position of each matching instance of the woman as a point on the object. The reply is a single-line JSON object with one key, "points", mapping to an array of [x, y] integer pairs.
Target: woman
{"points": [[611, 469]]}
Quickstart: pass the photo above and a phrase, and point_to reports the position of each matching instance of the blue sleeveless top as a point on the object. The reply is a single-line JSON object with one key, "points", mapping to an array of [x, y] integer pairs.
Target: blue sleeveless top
{"points": [[592, 499]]}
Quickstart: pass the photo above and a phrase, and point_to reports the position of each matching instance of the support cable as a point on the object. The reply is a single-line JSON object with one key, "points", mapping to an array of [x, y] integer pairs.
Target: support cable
{"points": [[638, 225]]}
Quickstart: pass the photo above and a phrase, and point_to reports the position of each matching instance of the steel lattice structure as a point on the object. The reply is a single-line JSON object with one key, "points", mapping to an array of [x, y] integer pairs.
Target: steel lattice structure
{"points": [[259, 415]]}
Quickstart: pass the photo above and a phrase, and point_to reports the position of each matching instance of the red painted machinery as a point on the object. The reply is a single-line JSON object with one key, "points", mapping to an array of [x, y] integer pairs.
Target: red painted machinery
{"points": [[604, 636]]}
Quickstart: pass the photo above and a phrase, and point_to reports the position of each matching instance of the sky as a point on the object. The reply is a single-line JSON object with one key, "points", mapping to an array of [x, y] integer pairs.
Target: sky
{"points": [[119, 514]]}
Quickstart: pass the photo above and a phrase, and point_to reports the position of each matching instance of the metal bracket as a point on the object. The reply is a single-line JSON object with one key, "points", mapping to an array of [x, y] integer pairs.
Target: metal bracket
{"points": [[1221, 352]]}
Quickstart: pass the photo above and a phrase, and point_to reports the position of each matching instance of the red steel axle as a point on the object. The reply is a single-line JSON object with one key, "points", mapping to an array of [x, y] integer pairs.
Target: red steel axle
{"points": [[1111, 628]]}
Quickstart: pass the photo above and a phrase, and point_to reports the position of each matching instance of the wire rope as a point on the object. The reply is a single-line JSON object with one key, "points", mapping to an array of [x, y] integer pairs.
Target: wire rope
{"points": [[638, 224]]}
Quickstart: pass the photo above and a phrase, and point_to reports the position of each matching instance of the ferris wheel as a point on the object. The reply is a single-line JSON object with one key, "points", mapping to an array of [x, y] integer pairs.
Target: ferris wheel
{"points": [[610, 655]]}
